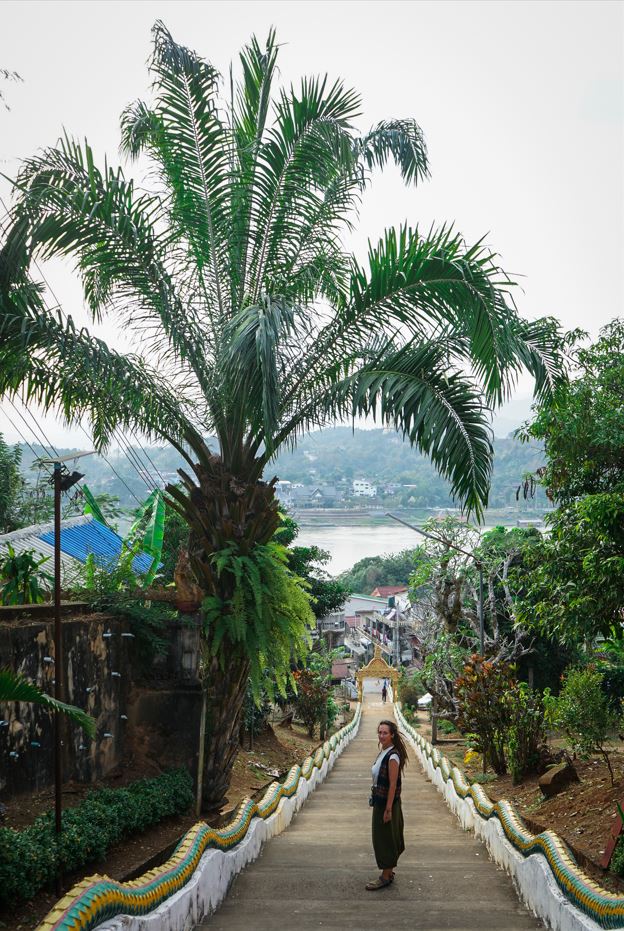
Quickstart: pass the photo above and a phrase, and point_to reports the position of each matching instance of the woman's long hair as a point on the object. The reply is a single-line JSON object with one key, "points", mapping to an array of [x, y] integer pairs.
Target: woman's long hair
{"points": [[398, 743]]}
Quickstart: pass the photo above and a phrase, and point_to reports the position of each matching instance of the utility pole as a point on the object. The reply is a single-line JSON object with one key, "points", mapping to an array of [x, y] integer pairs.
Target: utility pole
{"points": [[61, 481]]}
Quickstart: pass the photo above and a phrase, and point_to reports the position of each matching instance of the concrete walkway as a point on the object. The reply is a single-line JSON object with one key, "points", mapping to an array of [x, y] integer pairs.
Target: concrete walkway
{"points": [[313, 875]]}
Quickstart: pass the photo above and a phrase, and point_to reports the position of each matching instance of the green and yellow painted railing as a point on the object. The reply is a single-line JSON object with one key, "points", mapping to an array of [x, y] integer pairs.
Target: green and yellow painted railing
{"points": [[97, 898], [603, 907]]}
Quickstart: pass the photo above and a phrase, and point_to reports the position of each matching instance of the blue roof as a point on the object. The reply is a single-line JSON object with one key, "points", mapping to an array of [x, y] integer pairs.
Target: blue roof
{"points": [[93, 537]]}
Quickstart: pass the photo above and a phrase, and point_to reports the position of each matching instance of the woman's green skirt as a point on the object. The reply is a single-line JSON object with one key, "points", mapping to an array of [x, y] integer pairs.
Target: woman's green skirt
{"points": [[388, 842]]}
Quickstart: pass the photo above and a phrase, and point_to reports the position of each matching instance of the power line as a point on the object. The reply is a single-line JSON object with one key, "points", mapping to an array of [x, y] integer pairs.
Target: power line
{"points": [[114, 470], [149, 459], [28, 427], [24, 440], [41, 430], [135, 461]]}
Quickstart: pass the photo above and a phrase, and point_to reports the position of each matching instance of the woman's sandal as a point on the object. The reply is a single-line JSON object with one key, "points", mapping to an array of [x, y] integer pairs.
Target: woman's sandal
{"points": [[380, 883]]}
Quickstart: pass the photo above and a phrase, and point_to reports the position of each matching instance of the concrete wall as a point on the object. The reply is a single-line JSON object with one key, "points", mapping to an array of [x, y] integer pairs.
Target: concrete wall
{"points": [[146, 715]]}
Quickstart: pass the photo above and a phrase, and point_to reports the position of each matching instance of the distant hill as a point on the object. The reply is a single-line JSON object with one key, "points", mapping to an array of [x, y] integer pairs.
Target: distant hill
{"points": [[339, 455], [335, 456]]}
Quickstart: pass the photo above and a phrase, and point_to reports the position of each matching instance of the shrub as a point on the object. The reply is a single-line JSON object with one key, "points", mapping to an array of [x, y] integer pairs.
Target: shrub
{"points": [[527, 733], [446, 726], [332, 711], [28, 858], [410, 692], [484, 707], [617, 860], [23, 579], [585, 714]]}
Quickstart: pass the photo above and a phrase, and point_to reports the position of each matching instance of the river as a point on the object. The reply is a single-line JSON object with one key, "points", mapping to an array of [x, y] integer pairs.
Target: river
{"points": [[347, 545]]}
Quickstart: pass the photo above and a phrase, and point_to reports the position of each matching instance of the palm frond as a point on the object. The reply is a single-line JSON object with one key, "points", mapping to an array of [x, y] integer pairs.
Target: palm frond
{"points": [[47, 360], [413, 389], [538, 348], [401, 140], [423, 285], [193, 147], [310, 137], [69, 207], [16, 687], [250, 109]]}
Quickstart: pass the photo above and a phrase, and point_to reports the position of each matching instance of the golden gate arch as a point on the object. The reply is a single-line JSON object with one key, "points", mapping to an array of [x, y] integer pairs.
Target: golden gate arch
{"points": [[378, 668]]}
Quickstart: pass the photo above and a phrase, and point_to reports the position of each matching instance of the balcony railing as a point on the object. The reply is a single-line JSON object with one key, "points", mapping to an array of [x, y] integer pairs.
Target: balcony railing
{"points": [[334, 624]]}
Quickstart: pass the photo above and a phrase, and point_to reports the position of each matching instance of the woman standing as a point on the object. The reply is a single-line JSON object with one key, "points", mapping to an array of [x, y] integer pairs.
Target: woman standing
{"points": [[385, 799]]}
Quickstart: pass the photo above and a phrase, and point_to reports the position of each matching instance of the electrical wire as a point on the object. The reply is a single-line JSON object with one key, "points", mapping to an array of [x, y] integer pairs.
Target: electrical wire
{"points": [[112, 467], [149, 458], [133, 459], [29, 428], [41, 431], [127, 451], [24, 440]]}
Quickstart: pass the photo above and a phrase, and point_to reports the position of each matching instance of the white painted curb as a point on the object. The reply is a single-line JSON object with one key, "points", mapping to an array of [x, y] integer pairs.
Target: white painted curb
{"points": [[208, 887], [532, 876]]}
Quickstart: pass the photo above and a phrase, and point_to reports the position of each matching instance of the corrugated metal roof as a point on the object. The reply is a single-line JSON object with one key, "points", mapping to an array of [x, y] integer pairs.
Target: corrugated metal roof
{"points": [[93, 537], [79, 537], [29, 538]]}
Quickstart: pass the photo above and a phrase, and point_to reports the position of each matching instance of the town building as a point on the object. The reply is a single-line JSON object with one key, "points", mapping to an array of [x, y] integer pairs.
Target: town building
{"points": [[363, 489]]}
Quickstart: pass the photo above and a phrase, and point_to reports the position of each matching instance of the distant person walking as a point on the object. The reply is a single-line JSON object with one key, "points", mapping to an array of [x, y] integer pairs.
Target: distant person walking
{"points": [[387, 821], [384, 693]]}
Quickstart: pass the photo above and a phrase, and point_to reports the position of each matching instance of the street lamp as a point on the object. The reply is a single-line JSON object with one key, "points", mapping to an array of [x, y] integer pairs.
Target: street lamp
{"points": [[62, 480], [452, 546]]}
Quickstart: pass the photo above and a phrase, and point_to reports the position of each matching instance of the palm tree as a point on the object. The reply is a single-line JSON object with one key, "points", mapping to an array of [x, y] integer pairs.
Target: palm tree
{"points": [[254, 324], [16, 687]]}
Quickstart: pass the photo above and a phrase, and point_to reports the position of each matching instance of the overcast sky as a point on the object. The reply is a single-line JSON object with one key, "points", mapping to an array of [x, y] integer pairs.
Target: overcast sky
{"points": [[522, 105]]}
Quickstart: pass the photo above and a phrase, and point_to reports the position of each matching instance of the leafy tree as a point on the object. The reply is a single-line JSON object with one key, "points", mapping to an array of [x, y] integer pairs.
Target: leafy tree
{"points": [[11, 484], [314, 701], [483, 692], [368, 573], [328, 594], [575, 577], [582, 425], [442, 572], [254, 323]]}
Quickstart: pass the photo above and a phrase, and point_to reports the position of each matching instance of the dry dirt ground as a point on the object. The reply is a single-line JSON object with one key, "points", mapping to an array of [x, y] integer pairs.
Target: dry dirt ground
{"points": [[582, 815], [273, 754]]}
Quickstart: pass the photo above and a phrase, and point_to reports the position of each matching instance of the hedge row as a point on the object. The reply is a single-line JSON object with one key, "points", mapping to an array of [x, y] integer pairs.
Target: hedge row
{"points": [[28, 858]]}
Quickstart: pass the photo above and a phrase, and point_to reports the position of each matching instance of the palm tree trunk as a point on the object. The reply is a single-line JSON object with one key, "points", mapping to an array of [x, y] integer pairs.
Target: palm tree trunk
{"points": [[226, 700], [222, 508]]}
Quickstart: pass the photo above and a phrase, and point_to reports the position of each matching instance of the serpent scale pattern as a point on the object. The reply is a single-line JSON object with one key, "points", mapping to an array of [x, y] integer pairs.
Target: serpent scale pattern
{"points": [[604, 907], [98, 898]]}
